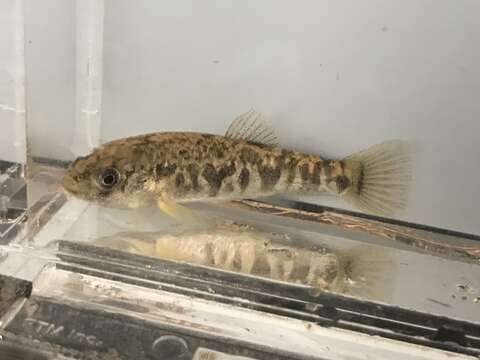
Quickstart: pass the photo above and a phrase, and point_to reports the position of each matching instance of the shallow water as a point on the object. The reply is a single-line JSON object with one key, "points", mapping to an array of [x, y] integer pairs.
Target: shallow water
{"points": [[422, 280]]}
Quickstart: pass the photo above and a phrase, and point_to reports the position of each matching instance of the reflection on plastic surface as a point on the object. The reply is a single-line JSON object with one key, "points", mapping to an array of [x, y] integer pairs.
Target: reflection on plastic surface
{"points": [[205, 354], [365, 271], [13, 201]]}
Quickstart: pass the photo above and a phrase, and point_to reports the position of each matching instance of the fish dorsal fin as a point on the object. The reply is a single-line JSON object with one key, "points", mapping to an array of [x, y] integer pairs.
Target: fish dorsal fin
{"points": [[252, 127]]}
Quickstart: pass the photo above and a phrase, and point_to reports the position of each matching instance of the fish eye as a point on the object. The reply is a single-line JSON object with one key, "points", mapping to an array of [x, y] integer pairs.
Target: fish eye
{"points": [[109, 178]]}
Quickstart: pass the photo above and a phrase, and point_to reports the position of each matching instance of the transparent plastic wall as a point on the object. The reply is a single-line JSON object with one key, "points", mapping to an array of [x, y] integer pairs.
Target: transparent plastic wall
{"points": [[12, 83], [332, 77], [12, 117]]}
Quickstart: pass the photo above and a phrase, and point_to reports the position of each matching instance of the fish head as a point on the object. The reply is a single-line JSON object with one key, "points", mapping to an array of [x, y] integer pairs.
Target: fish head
{"points": [[110, 176]]}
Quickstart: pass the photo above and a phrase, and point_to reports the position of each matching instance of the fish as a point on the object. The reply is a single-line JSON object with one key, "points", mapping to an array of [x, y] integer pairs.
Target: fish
{"points": [[169, 169], [364, 271]]}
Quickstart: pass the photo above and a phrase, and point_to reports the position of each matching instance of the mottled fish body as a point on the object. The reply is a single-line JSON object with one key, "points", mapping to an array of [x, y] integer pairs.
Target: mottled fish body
{"points": [[171, 168]]}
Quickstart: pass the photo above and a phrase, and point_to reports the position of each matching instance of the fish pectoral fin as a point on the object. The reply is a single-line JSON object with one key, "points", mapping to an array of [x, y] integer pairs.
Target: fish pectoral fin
{"points": [[179, 212], [252, 127]]}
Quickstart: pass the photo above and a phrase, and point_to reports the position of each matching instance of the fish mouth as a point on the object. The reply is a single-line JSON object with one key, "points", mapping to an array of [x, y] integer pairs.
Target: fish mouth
{"points": [[69, 184], [72, 188]]}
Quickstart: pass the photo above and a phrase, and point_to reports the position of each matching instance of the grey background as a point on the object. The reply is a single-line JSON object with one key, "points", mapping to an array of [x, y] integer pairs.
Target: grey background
{"points": [[333, 77]]}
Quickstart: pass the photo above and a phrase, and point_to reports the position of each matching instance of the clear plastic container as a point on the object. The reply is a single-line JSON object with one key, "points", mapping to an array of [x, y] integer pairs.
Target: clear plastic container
{"points": [[331, 78]]}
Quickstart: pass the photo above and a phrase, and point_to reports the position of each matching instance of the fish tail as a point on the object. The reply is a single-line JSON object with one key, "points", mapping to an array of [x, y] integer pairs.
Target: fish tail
{"points": [[381, 177], [367, 272]]}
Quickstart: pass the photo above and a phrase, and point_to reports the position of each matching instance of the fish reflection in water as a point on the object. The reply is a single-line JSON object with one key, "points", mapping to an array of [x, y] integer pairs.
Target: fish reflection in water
{"points": [[364, 271]]}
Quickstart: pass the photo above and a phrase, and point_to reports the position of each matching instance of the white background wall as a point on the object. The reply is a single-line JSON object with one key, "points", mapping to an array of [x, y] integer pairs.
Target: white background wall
{"points": [[333, 76], [50, 53]]}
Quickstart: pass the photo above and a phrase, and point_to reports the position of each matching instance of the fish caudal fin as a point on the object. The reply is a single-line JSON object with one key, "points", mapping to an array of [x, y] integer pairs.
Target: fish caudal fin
{"points": [[366, 272], [381, 178]]}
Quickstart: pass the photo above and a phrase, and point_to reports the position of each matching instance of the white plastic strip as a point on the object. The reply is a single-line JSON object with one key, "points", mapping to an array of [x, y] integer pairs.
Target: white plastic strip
{"points": [[89, 67], [19, 83]]}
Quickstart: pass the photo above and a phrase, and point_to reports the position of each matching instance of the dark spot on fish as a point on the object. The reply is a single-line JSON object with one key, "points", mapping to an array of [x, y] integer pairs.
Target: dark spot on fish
{"points": [[244, 179], [269, 176], [102, 195], [210, 175], [237, 261], [292, 170], [327, 169], [227, 170], [165, 170], [281, 159], [286, 153], [249, 156], [179, 180], [215, 178], [209, 254], [331, 272], [148, 156], [260, 265], [218, 153], [193, 172], [304, 172], [137, 151], [184, 154], [129, 173], [182, 188], [281, 251], [360, 181], [316, 173], [217, 149], [342, 183], [300, 271], [136, 182]]}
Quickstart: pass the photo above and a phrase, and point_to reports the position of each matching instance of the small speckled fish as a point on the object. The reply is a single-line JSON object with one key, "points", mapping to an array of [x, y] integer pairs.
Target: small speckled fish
{"points": [[364, 271], [174, 167]]}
